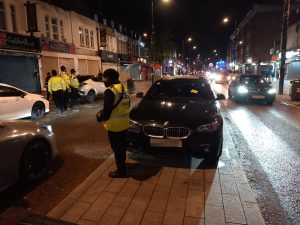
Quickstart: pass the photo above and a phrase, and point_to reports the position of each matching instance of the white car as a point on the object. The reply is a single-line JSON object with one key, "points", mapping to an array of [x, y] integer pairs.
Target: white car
{"points": [[16, 103], [90, 87], [26, 148]]}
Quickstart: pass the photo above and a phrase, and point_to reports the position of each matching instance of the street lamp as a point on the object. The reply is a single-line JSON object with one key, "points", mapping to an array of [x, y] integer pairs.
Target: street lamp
{"points": [[189, 39], [145, 35], [195, 47], [153, 32], [225, 20]]}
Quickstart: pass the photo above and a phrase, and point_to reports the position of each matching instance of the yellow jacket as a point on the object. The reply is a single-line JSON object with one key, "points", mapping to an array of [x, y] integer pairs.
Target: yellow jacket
{"points": [[66, 78], [56, 83], [119, 118]]}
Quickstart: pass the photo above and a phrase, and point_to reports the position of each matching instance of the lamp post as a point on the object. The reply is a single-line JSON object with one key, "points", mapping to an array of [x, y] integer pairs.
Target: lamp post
{"points": [[285, 22], [153, 33], [226, 20]]}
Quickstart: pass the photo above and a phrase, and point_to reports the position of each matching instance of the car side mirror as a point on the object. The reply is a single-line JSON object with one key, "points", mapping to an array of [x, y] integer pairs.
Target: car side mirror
{"points": [[140, 95], [291, 82], [220, 97]]}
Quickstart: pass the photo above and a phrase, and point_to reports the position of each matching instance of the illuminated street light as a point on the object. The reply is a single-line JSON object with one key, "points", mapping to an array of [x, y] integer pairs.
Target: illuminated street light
{"points": [[241, 42], [225, 20], [145, 35], [189, 39], [215, 50], [195, 47]]}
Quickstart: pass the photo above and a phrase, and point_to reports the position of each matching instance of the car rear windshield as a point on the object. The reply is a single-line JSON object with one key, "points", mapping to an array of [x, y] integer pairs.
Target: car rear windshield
{"points": [[181, 88]]}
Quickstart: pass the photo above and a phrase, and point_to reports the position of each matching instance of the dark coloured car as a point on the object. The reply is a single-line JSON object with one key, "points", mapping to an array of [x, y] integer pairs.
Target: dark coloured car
{"points": [[179, 112], [251, 87]]}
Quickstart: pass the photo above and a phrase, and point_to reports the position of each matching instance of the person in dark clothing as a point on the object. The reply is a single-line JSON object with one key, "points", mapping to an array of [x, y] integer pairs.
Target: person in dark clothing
{"points": [[46, 84], [115, 117]]}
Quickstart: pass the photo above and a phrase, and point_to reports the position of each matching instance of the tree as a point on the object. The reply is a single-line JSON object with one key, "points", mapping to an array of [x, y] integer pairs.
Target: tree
{"points": [[164, 46]]}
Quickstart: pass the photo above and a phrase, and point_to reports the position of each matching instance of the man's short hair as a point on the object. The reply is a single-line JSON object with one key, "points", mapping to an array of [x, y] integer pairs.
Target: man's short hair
{"points": [[112, 74]]}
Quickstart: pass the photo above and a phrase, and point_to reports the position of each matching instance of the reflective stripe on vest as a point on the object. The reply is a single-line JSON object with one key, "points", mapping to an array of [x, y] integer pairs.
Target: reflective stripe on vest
{"points": [[118, 120]]}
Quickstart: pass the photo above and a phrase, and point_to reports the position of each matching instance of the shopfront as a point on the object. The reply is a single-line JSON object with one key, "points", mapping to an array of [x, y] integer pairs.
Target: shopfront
{"points": [[19, 61], [110, 60]]}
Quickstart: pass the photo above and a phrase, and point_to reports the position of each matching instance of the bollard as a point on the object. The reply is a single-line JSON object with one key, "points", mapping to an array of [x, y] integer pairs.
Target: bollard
{"points": [[130, 86]]}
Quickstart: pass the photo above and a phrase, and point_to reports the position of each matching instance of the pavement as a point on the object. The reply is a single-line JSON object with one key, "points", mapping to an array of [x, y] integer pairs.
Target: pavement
{"points": [[164, 190]]}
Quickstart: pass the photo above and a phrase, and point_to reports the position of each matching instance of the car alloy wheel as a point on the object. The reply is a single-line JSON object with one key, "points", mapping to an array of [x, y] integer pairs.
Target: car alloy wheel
{"points": [[34, 161], [91, 96], [38, 110]]}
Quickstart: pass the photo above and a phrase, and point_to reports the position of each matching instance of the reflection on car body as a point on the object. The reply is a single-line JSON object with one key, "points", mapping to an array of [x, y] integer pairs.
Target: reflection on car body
{"points": [[178, 112], [25, 150], [251, 87]]}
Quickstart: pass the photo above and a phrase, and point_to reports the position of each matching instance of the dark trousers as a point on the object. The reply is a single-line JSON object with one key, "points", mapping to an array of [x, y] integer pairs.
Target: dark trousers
{"points": [[118, 144], [66, 99], [58, 97], [74, 97]]}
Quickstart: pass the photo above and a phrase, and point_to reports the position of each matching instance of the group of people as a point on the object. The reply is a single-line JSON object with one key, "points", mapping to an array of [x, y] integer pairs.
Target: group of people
{"points": [[63, 88]]}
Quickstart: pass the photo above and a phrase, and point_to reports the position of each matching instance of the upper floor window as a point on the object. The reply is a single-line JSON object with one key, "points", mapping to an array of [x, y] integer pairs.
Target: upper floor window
{"points": [[81, 36], [92, 39], [2, 16], [87, 38], [13, 17], [47, 26], [55, 29], [62, 33]]}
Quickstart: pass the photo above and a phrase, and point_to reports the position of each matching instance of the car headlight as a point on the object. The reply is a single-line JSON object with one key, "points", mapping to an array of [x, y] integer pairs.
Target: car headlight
{"points": [[228, 78], [242, 90], [48, 128], [134, 127], [272, 91], [211, 127]]}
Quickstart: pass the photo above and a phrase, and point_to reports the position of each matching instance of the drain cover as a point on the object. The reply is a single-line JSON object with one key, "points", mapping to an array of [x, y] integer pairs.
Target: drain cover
{"points": [[33, 219]]}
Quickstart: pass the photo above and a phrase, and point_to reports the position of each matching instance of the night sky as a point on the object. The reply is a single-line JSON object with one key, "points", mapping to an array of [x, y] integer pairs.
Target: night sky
{"points": [[200, 19]]}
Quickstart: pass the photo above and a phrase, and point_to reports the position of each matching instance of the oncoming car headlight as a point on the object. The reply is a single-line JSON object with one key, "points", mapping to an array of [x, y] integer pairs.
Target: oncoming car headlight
{"points": [[272, 91], [242, 90], [134, 126], [210, 127]]}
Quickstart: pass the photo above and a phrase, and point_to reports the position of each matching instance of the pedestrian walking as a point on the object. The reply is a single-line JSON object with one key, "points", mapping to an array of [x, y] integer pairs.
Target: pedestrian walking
{"points": [[65, 77], [46, 84], [116, 120], [56, 87], [74, 84]]}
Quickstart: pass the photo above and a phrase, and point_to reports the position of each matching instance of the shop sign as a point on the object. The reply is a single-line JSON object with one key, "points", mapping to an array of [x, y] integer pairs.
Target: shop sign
{"points": [[109, 56], [55, 46], [19, 42]]}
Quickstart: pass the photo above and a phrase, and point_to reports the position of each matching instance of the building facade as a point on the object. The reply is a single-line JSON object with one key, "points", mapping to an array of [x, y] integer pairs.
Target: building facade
{"points": [[250, 48]]}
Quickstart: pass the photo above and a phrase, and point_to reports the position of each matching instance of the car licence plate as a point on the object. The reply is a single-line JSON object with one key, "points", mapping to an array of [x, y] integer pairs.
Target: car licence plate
{"points": [[166, 143], [258, 97], [298, 90]]}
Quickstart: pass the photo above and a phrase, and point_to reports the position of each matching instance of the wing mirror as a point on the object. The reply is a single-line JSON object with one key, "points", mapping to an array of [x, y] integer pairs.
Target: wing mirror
{"points": [[140, 95], [220, 97]]}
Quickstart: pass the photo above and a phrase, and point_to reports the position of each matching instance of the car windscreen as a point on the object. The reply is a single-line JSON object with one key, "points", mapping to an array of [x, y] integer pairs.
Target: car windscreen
{"points": [[181, 88], [253, 80]]}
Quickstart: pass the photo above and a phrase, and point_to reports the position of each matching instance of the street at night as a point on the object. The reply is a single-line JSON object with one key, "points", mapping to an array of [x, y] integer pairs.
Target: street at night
{"points": [[153, 112]]}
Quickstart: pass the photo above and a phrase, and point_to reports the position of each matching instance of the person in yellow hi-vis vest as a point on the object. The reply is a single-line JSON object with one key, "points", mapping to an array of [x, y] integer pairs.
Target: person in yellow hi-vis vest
{"points": [[115, 115], [56, 87], [74, 85], [66, 78]]}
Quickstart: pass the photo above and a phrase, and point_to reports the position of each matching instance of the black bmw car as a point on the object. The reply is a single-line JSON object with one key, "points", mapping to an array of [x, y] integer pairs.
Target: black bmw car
{"points": [[251, 87], [178, 112]]}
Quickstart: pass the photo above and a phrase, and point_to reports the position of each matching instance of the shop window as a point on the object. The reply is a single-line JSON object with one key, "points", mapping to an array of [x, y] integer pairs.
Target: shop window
{"points": [[62, 33], [47, 26], [87, 38], [92, 39], [81, 36], [13, 18], [55, 32], [2, 16]]}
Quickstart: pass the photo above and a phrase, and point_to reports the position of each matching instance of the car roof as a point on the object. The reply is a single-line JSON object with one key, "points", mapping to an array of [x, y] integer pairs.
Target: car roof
{"points": [[184, 77], [7, 85]]}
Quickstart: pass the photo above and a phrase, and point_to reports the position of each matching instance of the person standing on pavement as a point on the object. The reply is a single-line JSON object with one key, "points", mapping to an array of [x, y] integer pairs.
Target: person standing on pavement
{"points": [[115, 115], [56, 87], [65, 77], [46, 84], [74, 84]]}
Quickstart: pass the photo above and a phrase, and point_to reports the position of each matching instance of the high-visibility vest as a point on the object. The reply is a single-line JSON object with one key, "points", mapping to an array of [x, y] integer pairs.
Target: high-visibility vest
{"points": [[74, 81], [119, 118], [56, 83], [66, 78]]}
